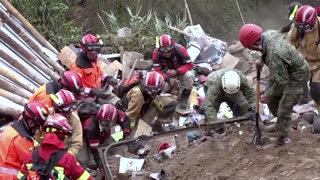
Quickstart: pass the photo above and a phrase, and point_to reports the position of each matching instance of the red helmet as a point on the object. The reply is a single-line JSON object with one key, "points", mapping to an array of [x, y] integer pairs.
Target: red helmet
{"points": [[249, 34], [64, 101], [153, 79], [166, 43], [306, 17], [90, 42], [72, 81], [36, 111], [107, 112], [58, 123]]}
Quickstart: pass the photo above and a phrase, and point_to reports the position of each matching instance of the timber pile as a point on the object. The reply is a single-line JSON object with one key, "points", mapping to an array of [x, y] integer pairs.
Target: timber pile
{"points": [[27, 60]]}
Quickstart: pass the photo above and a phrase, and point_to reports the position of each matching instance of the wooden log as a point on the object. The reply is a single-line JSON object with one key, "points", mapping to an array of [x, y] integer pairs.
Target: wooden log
{"points": [[27, 55], [14, 89], [28, 26], [6, 72], [6, 110], [13, 97], [6, 19], [15, 63]]}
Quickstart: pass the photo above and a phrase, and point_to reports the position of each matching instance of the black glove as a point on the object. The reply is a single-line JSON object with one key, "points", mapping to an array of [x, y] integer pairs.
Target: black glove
{"points": [[251, 114], [99, 93], [109, 80]]}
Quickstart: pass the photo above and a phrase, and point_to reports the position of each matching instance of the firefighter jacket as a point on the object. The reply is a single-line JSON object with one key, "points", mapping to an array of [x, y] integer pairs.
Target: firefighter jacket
{"points": [[74, 143], [89, 71], [179, 61], [16, 143], [96, 136], [308, 44], [215, 94], [67, 166], [42, 94]]}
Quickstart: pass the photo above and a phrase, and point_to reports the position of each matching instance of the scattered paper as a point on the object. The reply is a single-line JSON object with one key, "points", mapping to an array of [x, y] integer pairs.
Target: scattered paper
{"points": [[240, 133], [182, 120], [128, 164], [201, 92]]}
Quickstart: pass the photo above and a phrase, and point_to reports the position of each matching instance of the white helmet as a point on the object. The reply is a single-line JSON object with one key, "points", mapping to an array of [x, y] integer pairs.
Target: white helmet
{"points": [[231, 82]]}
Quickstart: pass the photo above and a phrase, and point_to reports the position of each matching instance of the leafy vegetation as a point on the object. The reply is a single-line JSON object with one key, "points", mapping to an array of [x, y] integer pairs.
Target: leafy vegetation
{"points": [[52, 18], [144, 28]]}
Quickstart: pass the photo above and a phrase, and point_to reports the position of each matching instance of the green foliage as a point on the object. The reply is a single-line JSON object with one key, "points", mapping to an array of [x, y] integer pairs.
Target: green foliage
{"points": [[144, 29], [52, 19]]}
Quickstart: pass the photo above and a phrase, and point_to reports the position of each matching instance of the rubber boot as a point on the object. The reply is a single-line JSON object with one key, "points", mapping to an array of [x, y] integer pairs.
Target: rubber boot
{"points": [[183, 104], [91, 163]]}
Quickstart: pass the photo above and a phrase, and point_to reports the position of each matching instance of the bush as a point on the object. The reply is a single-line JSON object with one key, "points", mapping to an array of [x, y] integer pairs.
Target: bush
{"points": [[52, 19]]}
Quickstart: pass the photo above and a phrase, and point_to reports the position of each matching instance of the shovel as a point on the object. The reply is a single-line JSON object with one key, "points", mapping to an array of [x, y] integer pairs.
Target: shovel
{"points": [[257, 136]]}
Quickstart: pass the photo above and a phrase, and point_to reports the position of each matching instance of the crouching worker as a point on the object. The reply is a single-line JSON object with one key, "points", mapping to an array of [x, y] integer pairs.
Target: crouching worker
{"points": [[232, 87], [97, 130], [51, 160], [17, 140]]}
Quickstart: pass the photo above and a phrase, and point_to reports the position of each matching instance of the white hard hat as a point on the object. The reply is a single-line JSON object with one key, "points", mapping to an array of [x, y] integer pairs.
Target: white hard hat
{"points": [[231, 82]]}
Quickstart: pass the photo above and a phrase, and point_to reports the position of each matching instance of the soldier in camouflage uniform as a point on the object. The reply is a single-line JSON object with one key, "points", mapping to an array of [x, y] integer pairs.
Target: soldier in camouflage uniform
{"points": [[288, 72], [232, 87]]}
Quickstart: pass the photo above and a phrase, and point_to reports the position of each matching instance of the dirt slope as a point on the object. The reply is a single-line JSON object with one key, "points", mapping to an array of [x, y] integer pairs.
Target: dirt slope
{"points": [[233, 157]]}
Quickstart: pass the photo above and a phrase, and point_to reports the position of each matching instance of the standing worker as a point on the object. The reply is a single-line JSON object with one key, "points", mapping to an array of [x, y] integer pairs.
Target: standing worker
{"points": [[288, 72]]}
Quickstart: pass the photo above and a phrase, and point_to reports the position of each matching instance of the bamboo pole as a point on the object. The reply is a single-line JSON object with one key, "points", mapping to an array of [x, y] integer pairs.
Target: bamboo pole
{"points": [[13, 97], [28, 26], [15, 63], [27, 55], [15, 113], [14, 89], [189, 14], [5, 18], [178, 30], [6, 72]]}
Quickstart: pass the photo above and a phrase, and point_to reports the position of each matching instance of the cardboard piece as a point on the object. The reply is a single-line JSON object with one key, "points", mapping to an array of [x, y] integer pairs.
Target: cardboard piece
{"points": [[112, 68], [143, 129], [67, 56], [229, 61]]}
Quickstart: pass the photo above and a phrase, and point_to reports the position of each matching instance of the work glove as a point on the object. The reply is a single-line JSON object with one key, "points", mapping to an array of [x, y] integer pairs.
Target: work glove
{"points": [[251, 114], [99, 93], [109, 80]]}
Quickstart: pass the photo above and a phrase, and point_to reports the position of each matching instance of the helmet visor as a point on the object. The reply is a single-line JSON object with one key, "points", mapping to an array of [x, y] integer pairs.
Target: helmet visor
{"points": [[165, 49], [68, 107], [151, 90], [93, 47]]}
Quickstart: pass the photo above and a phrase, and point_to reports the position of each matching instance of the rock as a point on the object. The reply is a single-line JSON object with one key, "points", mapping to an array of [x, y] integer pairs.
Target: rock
{"points": [[316, 125], [141, 63]]}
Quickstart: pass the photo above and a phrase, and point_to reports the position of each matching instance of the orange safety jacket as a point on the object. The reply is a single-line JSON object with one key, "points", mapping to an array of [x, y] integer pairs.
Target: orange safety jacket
{"points": [[42, 94], [89, 71], [16, 143]]}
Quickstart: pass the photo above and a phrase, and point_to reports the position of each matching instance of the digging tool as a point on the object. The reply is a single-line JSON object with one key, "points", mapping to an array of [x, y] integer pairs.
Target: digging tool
{"points": [[257, 136]]}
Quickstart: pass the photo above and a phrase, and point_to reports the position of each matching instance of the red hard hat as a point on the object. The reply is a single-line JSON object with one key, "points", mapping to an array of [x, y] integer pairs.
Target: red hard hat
{"points": [[249, 34], [306, 17], [72, 81], [36, 111], [64, 100], [90, 42], [107, 112], [153, 79], [58, 123], [166, 40]]}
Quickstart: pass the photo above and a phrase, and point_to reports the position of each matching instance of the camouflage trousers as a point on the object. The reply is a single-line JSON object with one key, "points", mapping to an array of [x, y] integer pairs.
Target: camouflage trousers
{"points": [[281, 107]]}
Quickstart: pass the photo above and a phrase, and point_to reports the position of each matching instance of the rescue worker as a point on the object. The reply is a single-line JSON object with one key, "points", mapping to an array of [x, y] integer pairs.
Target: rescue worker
{"points": [[17, 139], [69, 80], [292, 10], [56, 128], [140, 97], [232, 87], [305, 37], [65, 103], [288, 72], [173, 62], [97, 130], [87, 65]]}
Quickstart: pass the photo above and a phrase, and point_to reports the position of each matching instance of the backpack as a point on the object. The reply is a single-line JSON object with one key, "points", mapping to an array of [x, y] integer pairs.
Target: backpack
{"points": [[127, 84], [43, 170]]}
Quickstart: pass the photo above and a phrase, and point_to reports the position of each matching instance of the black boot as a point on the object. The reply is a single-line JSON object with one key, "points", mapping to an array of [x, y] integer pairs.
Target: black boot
{"points": [[183, 104]]}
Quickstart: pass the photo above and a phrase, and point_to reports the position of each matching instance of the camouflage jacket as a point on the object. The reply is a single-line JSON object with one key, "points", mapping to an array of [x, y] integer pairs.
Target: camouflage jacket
{"points": [[215, 94], [288, 69]]}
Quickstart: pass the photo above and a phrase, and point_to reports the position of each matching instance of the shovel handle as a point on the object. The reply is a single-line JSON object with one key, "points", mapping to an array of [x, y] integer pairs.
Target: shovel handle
{"points": [[258, 90]]}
